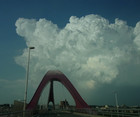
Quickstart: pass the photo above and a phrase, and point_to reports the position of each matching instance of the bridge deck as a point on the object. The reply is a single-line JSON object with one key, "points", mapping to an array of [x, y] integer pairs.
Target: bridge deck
{"points": [[65, 114]]}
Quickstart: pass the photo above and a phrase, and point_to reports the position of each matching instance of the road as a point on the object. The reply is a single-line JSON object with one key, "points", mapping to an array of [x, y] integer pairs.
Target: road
{"points": [[65, 114], [61, 114]]}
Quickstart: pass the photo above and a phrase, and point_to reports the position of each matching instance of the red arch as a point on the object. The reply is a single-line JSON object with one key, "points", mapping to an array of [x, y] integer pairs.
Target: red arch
{"points": [[57, 76]]}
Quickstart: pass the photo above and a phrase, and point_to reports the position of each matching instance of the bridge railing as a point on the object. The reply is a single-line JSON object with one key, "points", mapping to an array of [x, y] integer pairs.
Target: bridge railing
{"points": [[114, 112], [18, 114], [110, 112]]}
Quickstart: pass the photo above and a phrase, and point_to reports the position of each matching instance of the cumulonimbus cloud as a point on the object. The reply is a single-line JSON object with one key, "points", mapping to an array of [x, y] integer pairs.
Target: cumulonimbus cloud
{"points": [[89, 50]]}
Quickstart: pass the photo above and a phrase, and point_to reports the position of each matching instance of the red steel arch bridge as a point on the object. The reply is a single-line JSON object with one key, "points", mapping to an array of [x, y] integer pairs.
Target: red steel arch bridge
{"points": [[51, 76]]}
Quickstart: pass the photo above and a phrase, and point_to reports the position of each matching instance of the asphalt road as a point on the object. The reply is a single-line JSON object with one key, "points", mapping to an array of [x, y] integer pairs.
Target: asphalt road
{"points": [[60, 114]]}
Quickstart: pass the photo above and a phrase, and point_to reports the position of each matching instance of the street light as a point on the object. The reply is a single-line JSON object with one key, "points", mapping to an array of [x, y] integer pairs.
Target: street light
{"points": [[27, 75], [116, 100]]}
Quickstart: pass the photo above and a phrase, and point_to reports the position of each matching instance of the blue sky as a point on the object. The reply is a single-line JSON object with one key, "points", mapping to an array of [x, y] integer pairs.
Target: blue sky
{"points": [[58, 12]]}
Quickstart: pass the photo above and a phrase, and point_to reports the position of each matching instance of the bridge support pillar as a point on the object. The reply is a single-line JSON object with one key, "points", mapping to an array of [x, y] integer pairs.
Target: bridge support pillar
{"points": [[51, 96]]}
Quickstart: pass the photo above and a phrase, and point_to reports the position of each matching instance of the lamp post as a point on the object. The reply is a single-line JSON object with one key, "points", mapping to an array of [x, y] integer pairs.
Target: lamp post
{"points": [[26, 84], [116, 100]]}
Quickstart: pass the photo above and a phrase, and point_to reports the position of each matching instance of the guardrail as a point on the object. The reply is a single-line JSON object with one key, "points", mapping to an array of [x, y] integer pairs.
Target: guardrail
{"points": [[119, 112], [11, 114], [110, 112], [17, 114]]}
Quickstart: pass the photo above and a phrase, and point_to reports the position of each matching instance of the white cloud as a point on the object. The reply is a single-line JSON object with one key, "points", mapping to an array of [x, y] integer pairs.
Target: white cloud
{"points": [[88, 49], [90, 84], [137, 34], [102, 67]]}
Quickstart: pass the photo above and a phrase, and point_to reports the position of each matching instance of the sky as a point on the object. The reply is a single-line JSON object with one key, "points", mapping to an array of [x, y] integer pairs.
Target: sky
{"points": [[95, 43]]}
